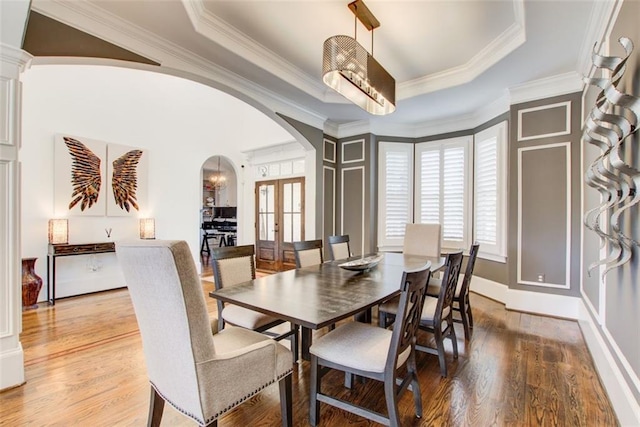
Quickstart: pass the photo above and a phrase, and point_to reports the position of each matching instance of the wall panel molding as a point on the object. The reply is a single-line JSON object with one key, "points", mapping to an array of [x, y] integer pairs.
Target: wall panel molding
{"points": [[519, 270], [355, 219], [536, 111], [356, 156], [326, 172]]}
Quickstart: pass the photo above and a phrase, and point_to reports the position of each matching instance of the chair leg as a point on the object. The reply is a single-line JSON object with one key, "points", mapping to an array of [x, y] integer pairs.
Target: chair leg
{"points": [[391, 398], [454, 340], [415, 384], [465, 322], [156, 405], [382, 319], [295, 342], [315, 379], [470, 316], [286, 406], [441, 355]]}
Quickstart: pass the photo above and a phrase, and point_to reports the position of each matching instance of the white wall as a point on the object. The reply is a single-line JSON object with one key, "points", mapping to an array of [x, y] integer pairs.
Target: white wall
{"points": [[181, 123]]}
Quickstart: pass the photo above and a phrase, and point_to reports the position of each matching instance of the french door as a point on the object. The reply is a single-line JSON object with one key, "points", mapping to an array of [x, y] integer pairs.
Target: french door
{"points": [[279, 222]]}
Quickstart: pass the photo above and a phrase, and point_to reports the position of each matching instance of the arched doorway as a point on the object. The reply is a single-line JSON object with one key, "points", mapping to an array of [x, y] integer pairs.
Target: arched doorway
{"points": [[219, 212]]}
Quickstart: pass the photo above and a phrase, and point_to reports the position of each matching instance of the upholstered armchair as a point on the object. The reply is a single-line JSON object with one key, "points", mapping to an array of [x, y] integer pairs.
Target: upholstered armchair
{"points": [[202, 375]]}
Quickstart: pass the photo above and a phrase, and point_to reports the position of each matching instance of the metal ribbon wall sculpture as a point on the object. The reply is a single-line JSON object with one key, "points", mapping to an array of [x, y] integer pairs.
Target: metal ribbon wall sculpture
{"points": [[609, 126]]}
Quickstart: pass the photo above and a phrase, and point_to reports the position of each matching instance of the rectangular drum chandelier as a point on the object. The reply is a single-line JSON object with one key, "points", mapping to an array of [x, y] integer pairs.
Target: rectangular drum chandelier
{"points": [[350, 70]]}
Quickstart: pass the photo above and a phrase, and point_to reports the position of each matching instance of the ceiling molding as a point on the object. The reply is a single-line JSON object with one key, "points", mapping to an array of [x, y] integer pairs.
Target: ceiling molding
{"points": [[603, 15], [547, 87], [219, 31], [510, 39]]}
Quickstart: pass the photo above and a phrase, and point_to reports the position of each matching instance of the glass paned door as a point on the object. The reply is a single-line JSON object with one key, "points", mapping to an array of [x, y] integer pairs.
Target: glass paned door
{"points": [[279, 222]]}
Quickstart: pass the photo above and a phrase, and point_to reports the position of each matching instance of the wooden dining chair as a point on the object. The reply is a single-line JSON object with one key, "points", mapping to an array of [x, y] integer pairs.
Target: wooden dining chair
{"points": [[368, 351], [339, 247], [461, 302], [202, 375], [236, 264], [437, 317], [422, 239], [437, 313], [308, 252]]}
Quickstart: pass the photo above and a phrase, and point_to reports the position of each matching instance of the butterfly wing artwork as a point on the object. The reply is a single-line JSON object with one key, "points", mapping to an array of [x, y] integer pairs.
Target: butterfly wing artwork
{"points": [[124, 180], [85, 174]]}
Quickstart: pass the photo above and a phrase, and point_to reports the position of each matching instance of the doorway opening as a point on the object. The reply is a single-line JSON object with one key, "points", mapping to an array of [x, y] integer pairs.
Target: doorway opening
{"points": [[219, 212]]}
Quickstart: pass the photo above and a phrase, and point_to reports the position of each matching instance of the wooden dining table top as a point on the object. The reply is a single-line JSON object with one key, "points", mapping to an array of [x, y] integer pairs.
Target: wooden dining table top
{"points": [[323, 294]]}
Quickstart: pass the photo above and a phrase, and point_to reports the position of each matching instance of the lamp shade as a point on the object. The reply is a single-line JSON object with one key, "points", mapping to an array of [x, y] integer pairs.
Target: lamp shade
{"points": [[350, 70], [147, 228], [58, 231]]}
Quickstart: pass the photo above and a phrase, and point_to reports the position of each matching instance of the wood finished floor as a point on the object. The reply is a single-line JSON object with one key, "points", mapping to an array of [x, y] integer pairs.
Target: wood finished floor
{"points": [[84, 366]]}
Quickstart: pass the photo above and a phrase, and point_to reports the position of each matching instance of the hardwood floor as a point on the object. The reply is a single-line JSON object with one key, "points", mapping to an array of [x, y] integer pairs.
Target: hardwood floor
{"points": [[84, 366]]}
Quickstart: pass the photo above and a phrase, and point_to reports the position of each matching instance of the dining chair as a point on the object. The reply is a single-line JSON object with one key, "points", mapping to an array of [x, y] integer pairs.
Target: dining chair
{"points": [[339, 247], [308, 252], [436, 315], [422, 239], [363, 349], [236, 264], [461, 302], [202, 375]]}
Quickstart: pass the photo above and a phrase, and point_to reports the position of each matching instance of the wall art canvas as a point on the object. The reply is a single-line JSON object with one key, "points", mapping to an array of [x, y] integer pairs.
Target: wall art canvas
{"points": [[127, 169], [79, 176], [96, 178]]}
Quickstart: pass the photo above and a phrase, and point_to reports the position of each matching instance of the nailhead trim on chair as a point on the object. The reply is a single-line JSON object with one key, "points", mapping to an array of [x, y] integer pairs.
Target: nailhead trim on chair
{"points": [[225, 410]]}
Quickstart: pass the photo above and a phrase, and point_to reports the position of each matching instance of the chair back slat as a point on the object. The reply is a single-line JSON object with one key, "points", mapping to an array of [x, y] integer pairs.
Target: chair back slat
{"points": [[468, 272], [412, 296], [453, 265]]}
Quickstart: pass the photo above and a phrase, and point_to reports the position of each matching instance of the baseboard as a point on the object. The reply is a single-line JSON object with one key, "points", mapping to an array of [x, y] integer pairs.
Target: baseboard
{"points": [[527, 301], [622, 399], [12, 367], [624, 404]]}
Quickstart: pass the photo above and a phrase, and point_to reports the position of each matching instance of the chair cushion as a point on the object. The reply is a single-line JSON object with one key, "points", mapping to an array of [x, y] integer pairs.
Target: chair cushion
{"points": [[240, 316], [434, 286], [429, 310], [357, 345], [390, 306], [232, 339]]}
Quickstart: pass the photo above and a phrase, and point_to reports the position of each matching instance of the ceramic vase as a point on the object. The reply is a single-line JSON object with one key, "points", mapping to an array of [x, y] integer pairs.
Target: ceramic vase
{"points": [[31, 284]]}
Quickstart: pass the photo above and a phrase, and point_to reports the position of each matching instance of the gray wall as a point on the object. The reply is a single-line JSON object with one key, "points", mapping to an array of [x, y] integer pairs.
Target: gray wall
{"points": [[620, 295], [540, 184]]}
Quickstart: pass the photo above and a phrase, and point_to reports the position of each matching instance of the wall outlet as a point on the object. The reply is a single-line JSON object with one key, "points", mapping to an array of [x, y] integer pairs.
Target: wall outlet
{"points": [[541, 278]]}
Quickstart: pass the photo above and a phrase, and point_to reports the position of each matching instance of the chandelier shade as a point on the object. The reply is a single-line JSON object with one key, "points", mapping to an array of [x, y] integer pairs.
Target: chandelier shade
{"points": [[350, 70]]}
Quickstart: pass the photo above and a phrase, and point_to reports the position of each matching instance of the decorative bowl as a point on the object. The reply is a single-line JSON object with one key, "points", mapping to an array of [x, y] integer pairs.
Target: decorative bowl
{"points": [[362, 264]]}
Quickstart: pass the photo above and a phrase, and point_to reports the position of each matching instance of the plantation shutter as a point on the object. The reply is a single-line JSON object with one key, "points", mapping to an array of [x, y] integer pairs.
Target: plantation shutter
{"points": [[486, 187]]}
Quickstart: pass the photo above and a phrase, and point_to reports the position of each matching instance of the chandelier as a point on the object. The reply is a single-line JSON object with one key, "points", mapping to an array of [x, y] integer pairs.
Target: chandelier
{"points": [[351, 71], [217, 179]]}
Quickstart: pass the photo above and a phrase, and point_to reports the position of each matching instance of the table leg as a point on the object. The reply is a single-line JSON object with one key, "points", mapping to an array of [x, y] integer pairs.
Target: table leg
{"points": [[53, 282], [306, 342], [364, 316], [48, 280]]}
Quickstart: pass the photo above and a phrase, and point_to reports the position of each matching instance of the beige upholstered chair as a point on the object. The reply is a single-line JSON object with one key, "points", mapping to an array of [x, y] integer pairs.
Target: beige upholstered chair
{"points": [[436, 316], [461, 301], [308, 252], [202, 375], [339, 247], [422, 239], [368, 351], [236, 264]]}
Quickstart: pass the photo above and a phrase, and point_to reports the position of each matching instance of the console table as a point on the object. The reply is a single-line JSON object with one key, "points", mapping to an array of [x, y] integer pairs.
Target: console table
{"points": [[59, 250]]}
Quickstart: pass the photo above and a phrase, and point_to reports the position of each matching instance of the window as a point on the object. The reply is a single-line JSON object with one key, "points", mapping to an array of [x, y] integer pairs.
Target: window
{"points": [[395, 184], [490, 220], [443, 188]]}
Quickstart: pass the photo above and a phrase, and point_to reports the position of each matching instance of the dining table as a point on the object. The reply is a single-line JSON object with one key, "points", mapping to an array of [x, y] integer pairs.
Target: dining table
{"points": [[318, 296]]}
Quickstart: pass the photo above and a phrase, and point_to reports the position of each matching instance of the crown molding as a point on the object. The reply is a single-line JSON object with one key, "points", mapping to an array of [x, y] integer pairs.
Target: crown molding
{"points": [[546, 88], [219, 31], [603, 15], [14, 56], [510, 39], [174, 59]]}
